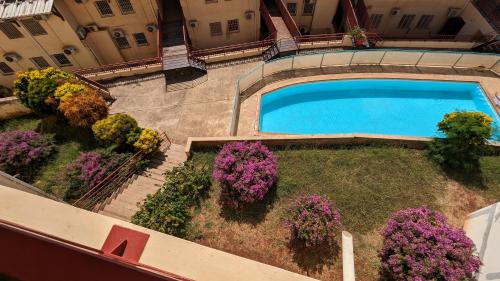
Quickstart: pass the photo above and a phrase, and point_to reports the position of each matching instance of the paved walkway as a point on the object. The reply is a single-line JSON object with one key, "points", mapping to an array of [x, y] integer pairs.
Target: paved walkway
{"points": [[202, 111]]}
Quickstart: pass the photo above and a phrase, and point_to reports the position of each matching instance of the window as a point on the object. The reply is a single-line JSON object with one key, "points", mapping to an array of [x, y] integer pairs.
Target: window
{"points": [[211, 1], [122, 42], [140, 39], [33, 27], [308, 8], [5, 69], [233, 25], [61, 59], [39, 62], [375, 20], [292, 8], [405, 21], [215, 29], [104, 8], [424, 21], [126, 7], [10, 30]]}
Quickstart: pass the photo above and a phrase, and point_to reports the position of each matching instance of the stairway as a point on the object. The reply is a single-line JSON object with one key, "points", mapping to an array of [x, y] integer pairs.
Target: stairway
{"points": [[125, 202], [285, 44]]}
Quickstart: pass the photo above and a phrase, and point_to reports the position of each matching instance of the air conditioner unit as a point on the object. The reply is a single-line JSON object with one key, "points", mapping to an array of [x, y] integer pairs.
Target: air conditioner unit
{"points": [[81, 32], [249, 15], [92, 28], [454, 12], [151, 27], [118, 33], [304, 29], [193, 23], [80, 1], [41, 17], [395, 11], [12, 57], [69, 50]]}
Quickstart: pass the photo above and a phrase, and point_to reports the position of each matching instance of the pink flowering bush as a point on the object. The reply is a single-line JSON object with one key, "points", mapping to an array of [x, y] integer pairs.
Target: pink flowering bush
{"points": [[246, 171], [88, 170], [313, 220], [420, 245], [22, 152]]}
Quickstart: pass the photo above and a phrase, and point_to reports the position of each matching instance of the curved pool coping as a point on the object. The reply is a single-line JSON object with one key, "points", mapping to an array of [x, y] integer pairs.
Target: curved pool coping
{"points": [[489, 85]]}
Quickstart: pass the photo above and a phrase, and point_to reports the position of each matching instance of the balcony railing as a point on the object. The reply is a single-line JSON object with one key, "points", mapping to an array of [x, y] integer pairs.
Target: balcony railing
{"points": [[351, 18], [319, 38]]}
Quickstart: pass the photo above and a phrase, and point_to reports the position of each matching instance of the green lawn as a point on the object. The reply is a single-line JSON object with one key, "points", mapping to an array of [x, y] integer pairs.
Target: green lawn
{"points": [[367, 183]]}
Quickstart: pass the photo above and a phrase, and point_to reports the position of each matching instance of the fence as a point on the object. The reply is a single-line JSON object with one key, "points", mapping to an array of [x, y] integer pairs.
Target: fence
{"points": [[376, 57]]}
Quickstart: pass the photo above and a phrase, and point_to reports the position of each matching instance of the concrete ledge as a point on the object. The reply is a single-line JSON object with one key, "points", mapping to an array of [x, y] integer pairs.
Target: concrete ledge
{"points": [[274, 140], [11, 107]]}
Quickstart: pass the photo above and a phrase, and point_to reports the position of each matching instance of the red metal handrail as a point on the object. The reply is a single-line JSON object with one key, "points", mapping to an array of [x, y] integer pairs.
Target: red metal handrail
{"points": [[362, 15], [319, 37], [232, 48], [352, 20], [105, 93], [287, 18], [273, 32]]}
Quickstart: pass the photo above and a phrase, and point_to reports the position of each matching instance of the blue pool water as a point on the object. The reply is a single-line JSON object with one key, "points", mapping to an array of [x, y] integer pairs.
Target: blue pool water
{"points": [[373, 106]]}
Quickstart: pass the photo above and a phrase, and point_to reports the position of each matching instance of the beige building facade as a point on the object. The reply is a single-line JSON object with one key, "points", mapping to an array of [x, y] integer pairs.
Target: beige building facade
{"points": [[313, 16]]}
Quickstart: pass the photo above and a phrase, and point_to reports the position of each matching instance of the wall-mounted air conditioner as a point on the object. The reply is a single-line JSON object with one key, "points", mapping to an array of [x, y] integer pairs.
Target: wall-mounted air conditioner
{"points": [[193, 23], [249, 15], [80, 1], [11, 57], [118, 33], [454, 12], [41, 17], [151, 27], [395, 11], [69, 50], [81, 32], [92, 28]]}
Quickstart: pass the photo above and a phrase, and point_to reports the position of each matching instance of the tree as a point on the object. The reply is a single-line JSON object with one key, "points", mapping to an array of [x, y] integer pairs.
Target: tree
{"points": [[83, 110]]}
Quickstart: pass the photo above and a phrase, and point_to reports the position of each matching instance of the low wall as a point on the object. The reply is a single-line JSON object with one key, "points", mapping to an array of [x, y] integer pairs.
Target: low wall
{"points": [[124, 72], [425, 44], [12, 182], [11, 107]]}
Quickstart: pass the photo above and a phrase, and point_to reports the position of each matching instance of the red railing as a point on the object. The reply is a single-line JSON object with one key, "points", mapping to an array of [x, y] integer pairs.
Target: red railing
{"points": [[287, 18], [232, 48], [362, 15], [351, 19], [159, 37], [319, 38], [273, 32], [106, 94]]}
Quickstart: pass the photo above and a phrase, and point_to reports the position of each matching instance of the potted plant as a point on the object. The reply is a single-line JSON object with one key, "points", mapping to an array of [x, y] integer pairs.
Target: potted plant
{"points": [[358, 37]]}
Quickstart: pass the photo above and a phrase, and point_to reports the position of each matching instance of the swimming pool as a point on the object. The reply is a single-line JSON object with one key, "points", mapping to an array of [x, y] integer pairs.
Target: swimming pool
{"points": [[373, 106]]}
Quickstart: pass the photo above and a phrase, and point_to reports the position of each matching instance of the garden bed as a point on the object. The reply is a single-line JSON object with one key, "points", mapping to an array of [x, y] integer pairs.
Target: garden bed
{"points": [[367, 184]]}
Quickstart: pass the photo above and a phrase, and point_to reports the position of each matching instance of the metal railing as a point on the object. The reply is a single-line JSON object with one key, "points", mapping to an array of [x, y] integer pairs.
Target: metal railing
{"points": [[95, 198], [350, 13], [347, 58], [101, 89], [273, 32], [287, 18], [220, 51], [122, 66], [319, 38]]}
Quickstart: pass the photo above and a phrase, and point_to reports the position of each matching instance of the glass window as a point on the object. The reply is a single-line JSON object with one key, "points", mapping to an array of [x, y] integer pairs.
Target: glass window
{"points": [[211, 1], [126, 7], [140, 39], [233, 25], [39, 62], [10, 30], [215, 29], [33, 27], [308, 8], [424, 21], [292, 8], [122, 42], [6, 69], [406, 21], [104, 8], [61, 59], [375, 20]]}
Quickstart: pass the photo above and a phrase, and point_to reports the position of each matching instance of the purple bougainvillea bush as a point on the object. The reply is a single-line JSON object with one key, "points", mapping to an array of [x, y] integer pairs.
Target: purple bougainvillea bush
{"points": [[313, 220], [246, 171], [420, 245], [22, 152]]}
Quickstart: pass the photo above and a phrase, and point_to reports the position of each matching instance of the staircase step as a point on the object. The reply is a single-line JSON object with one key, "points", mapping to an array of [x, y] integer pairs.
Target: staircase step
{"points": [[113, 215]]}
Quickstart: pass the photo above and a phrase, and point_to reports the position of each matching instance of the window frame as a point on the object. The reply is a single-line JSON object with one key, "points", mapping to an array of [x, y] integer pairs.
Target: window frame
{"points": [[376, 18], [232, 23], [33, 27], [145, 39], [129, 3], [35, 63], [424, 21], [4, 65], [406, 21], [294, 4], [100, 11], [119, 45], [217, 24], [58, 63], [311, 4], [13, 27]]}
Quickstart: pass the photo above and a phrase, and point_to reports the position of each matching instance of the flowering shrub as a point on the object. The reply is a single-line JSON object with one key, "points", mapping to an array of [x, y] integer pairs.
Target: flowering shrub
{"points": [[148, 141], [83, 110], [88, 170], [245, 171], [22, 151], [420, 245], [313, 220], [36, 88], [114, 129], [466, 134], [69, 89]]}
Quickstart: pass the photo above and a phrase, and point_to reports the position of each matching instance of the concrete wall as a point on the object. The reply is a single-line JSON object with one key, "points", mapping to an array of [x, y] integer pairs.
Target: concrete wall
{"points": [[221, 11], [11, 107], [389, 24], [321, 20], [12, 182], [475, 22]]}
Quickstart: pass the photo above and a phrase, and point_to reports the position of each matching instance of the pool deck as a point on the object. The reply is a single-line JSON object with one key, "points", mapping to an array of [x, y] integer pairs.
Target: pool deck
{"points": [[248, 122]]}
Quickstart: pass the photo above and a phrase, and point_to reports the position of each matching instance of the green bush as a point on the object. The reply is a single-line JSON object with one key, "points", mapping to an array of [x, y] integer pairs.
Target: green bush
{"points": [[36, 88], [168, 209], [467, 134], [148, 141], [114, 129]]}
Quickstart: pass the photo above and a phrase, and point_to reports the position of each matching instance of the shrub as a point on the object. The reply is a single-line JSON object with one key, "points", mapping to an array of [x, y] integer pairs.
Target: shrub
{"points": [[420, 245], [88, 170], [83, 110], [245, 171], [36, 88], [168, 209], [21, 152], [466, 134], [68, 89], [148, 141], [114, 129], [313, 220], [133, 136]]}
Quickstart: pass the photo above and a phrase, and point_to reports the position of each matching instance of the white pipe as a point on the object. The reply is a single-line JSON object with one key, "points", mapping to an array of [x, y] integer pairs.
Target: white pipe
{"points": [[347, 257]]}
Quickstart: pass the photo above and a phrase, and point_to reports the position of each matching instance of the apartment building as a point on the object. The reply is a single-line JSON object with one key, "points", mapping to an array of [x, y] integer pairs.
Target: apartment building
{"points": [[313, 16]]}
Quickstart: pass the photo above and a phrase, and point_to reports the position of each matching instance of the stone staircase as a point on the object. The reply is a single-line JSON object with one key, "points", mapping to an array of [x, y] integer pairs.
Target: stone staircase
{"points": [[125, 202]]}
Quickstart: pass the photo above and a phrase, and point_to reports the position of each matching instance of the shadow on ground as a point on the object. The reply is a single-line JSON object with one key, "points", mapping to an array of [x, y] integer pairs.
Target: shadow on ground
{"points": [[313, 259]]}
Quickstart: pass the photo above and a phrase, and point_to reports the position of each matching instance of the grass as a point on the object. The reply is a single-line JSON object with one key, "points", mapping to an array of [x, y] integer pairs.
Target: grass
{"points": [[29, 122], [367, 183]]}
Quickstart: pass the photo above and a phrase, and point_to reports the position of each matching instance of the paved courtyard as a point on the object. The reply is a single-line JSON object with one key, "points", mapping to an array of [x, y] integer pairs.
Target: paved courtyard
{"points": [[198, 112]]}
